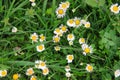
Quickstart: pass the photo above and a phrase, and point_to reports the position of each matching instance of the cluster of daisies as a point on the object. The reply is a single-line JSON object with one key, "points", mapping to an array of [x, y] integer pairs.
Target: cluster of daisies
{"points": [[39, 64], [86, 49], [115, 8], [32, 2], [58, 32], [77, 22], [61, 10], [38, 38]]}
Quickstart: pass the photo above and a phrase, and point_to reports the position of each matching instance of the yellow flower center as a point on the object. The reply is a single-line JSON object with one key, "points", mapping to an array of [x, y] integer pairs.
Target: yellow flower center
{"points": [[42, 37], [57, 30], [71, 21], [115, 8], [45, 70], [64, 6], [70, 57], [87, 50], [82, 40], [61, 11], [42, 64], [90, 68], [30, 71], [40, 47], [4, 73], [33, 78], [67, 3], [63, 28], [77, 22], [56, 39], [34, 38], [57, 48], [15, 76], [70, 36], [87, 25]]}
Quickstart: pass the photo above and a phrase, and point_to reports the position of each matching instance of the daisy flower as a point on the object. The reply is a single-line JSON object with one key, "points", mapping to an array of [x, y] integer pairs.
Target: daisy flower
{"points": [[87, 25], [77, 22], [3, 73], [32, 1], [70, 58], [34, 37], [70, 43], [58, 31], [71, 22], [81, 40], [83, 21], [86, 49], [33, 4], [16, 76], [45, 71], [33, 78], [42, 38], [29, 71], [40, 64], [57, 48], [68, 74], [14, 29], [67, 68], [40, 48], [56, 39], [70, 37], [115, 8], [60, 12], [63, 28], [89, 68], [117, 73], [64, 5]]}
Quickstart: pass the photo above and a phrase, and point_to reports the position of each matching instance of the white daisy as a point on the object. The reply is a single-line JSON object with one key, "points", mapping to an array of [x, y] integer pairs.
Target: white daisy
{"points": [[33, 4], [40, 48], [77, 22], [64, 5], [68, 74], [86, 49], [89, 68], [115, 8], [87, 25], [60, 12], [3, 73], [57, 48], [70, 58], [70, 37], [58, 31], [32, 0], [71, 22], [34, 37], [70, 43], [40, 64], [45, 71], [67, 68], [117, 73], [14, 29], [29, 71], [42, 38], [56, 39], [81, 40], [63, 28], [33, 78]]}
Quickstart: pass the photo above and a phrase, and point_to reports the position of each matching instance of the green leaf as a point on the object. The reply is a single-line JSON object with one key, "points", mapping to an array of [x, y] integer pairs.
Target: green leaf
{"points": [[21, 63], [95, 3]]}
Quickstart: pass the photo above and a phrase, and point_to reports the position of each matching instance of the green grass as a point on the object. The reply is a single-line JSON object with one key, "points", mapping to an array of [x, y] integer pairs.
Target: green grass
{"points": [[103, 35]]}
